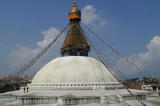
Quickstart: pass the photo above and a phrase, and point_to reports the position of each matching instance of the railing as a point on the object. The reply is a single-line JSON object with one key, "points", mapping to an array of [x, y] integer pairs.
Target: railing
{"points": [[89, 85]]}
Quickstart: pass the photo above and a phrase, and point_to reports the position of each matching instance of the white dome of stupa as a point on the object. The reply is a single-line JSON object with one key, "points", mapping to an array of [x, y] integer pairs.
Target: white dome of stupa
{"points": [[74, 71]]}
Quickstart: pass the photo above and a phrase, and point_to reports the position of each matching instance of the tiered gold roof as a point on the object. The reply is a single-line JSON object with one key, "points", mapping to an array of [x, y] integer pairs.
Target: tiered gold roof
{"points": [[75, 38]]}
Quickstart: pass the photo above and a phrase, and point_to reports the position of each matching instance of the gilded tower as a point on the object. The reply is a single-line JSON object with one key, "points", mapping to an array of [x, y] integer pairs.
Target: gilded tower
{"points": [[75, 43]]}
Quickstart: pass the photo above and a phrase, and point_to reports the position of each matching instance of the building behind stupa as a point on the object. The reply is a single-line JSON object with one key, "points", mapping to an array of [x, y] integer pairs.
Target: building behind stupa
{"points": [[74, 78]]}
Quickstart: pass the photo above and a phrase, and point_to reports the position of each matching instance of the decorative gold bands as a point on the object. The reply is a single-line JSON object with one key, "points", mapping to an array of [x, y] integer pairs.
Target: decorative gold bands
{"points": [[74, 17]]}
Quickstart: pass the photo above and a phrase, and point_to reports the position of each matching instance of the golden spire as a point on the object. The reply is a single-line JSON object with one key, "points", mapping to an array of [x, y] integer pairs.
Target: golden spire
{"points": [[74, 13], [75, 5], [75, 43]]}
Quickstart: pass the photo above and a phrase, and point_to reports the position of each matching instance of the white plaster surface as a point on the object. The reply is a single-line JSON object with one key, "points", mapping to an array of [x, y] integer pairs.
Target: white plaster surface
{"points": [[154, 101], [73, 69], [78, 93]]}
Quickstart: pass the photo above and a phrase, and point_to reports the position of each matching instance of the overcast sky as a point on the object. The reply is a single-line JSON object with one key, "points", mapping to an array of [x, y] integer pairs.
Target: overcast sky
{"points": [[131, 26]]}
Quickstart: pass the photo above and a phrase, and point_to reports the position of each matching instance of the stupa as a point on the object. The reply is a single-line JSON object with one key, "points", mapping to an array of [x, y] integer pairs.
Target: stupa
{"points": [[74, 70], [74, 78]]}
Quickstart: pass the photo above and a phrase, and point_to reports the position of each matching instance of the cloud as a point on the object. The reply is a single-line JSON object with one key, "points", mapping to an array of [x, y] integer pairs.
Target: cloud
{"points": [[91, 17], [49, 35], [22, 54], [149, 61]]}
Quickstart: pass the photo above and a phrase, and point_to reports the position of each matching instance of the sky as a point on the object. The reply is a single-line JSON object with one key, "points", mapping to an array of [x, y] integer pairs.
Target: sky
{"points": [[130, 26]]}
